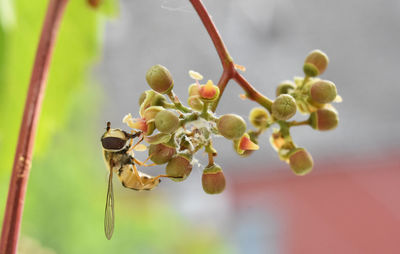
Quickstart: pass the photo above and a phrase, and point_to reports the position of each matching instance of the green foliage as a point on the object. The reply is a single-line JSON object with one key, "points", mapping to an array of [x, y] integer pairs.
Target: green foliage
{"points": [[76, 48]]}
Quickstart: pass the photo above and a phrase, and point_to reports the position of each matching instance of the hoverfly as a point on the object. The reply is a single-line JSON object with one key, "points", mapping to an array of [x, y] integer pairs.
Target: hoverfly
{"points": [[117, 151]]}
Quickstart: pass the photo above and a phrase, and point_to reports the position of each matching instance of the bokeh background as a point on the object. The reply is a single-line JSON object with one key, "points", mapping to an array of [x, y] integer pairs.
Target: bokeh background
{"points": [[348, 204]]}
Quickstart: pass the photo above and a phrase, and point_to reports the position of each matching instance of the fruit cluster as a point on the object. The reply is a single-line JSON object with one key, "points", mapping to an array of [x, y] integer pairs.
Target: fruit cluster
{"points": [[175, 132]]}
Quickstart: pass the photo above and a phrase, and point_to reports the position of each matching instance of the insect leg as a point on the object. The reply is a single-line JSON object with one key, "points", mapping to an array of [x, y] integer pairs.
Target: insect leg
{"points": [[135, 171], [143, 163], [159, 176], [133, 147]]}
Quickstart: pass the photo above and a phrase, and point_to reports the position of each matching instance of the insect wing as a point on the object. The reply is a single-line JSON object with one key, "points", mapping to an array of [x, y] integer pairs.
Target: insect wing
{"points": [[109, 211]]}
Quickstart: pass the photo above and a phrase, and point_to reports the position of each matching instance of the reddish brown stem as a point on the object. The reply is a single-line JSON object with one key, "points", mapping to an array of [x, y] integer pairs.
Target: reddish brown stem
{"points": [[228, 65], [26, 138]]}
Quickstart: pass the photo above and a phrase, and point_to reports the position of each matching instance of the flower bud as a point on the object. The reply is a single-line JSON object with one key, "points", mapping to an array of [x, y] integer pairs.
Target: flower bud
{"points": [[195, 102], [231, 126], [259, 117], [323, 91], [194, 89], [166, 122], [209, 91], [300, 161], [213, 179], [161, 153], [284, 107], [159, 79], [285, 87], [324, 119], [179, 167], [315, 63]]}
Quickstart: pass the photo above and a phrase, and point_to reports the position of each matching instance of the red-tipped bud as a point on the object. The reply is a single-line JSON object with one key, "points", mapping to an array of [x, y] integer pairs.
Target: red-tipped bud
{"points": [[161, 153], [245, 144], [324, 119], [166, 121], [323, 91], [284, 107], [213, 179], [285, 87], [231, 126], [159, 79], [259, 117], [209, 91], [315, 63], [179, 167], [300, 161]]}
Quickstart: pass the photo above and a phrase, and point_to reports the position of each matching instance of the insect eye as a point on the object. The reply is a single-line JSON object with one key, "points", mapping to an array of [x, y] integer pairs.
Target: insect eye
{"points": [[113, 143]]}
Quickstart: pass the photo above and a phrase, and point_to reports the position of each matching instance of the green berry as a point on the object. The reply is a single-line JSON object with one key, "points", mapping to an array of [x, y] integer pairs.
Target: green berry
{"points": [[231, 126], [284, 107], [179, 168], [166, 121], [324, 119], [285, 87], [315, 63], [161, 153], [258, 117], [159, 79], [213, 179], [300, 161], [323, 91]]}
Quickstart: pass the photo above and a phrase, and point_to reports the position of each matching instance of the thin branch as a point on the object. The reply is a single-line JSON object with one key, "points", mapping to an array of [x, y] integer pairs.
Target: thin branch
{"points": [[229, 70], [26, 138]]}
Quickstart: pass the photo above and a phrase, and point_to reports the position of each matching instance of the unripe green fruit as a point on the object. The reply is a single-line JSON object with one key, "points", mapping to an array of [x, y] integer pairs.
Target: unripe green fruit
{"points": [[159, 79], [315, 63], [285, 87], [195, 102], [213, 179], [258, 117], [179, 168], [161, 153], [323, 91], [231, 126], [324, 119], [166, 122], [284, 107], [300, 161]]}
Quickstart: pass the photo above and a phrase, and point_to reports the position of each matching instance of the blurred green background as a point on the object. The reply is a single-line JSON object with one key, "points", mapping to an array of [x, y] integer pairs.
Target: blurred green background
{"points": [[65, 199]]}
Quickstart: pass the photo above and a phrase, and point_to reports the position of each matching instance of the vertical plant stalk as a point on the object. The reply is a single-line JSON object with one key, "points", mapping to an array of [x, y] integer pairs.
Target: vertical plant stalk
{"points": [[229, 70], [27, 133]]}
